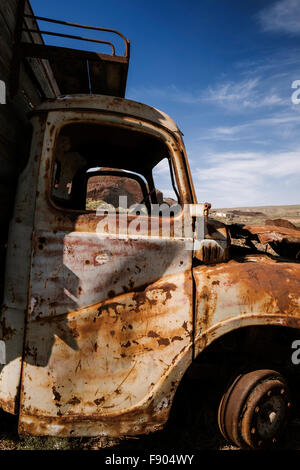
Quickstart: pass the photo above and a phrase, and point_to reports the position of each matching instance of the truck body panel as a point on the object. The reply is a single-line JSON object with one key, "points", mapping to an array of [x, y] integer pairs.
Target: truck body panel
{"points": [[254, 290]]}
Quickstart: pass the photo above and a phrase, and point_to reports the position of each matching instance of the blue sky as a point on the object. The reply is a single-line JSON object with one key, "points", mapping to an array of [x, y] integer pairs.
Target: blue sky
{"points": [[223, 69]]}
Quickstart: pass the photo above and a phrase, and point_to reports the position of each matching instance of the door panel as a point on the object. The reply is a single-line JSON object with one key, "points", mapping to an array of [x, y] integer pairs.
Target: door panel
{"points": [[110, 319]]}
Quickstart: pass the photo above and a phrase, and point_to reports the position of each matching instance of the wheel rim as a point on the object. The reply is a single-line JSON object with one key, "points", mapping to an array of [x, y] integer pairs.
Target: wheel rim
{"points": [[254, 410]]}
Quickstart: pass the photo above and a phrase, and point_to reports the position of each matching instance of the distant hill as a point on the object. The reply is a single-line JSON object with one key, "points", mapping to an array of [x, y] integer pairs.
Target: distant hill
{"points": [[268, 210], [257, 215]]}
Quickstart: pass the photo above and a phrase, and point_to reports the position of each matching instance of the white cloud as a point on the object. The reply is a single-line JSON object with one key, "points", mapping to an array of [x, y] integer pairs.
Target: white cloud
{"points": [[248, 178], [249, 93], [261, 130], [283, 16], [232, 92], [234, 95], [271, 100]]}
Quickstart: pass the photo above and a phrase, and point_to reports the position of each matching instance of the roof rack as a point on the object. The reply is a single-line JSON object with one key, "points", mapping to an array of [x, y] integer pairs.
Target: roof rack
{"points": [[75, 71]]}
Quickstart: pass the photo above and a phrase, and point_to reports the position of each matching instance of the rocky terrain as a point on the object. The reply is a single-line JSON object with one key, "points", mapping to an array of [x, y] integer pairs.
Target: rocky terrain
{"points": [[108, 189], [271, 229]]}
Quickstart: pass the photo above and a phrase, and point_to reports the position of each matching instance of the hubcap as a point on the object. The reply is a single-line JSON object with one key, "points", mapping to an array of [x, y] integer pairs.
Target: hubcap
{"points": [[271, 416], [254, 410]]}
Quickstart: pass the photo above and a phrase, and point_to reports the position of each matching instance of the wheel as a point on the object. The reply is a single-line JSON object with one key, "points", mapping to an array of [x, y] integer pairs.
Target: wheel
{"points": [[254, 410]]}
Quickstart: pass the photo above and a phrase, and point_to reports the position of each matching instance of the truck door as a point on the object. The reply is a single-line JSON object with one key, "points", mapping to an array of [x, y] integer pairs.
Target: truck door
{"points": [[109, 328]]}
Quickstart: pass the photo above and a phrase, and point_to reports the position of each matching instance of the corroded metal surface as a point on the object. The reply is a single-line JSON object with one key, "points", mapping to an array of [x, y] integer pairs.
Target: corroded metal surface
{"points": [[249, 291], [211, 251], [110, 104], [110, 320], [269, 233], [285, 241], [78, 269], [17, 277], [212, 245], [108, 361]]}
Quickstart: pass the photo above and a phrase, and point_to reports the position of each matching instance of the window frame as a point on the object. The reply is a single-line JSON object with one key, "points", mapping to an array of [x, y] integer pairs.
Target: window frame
{"points": [[173, 145]]}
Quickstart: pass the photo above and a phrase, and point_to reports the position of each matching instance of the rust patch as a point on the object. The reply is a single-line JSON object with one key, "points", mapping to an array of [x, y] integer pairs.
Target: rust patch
{"points": [[74, 401], [7, 331], [140, 297], [168, 287], [176, 338], [10, 406], [256, 284], [109, 306], [57, 395], [163, 341], [188, 283], [281, 283], [99, 401], [152, 334], [74, 332], [185, 326], [209, 298], [31, 352]]}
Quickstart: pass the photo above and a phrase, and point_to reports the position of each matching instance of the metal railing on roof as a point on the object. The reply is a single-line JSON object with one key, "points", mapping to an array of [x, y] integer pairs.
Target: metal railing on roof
{"points": [[74, 70], [77, 25]]}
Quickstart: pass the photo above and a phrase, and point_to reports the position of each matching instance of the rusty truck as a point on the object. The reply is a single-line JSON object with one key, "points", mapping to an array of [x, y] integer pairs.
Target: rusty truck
{"points": [[100, 326]]}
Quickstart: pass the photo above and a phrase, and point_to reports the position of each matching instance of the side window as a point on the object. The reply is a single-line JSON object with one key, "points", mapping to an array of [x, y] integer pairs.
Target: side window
{"points": [[100, 166], [114, 189], [164, 181]]}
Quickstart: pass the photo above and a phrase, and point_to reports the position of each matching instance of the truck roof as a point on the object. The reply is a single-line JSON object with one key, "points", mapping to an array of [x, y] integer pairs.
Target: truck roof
{"points": [[110, 104]]}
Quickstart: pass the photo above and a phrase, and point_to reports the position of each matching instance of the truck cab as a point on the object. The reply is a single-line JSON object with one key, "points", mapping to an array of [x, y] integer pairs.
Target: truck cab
{"points": [[108, 304]]}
